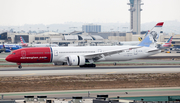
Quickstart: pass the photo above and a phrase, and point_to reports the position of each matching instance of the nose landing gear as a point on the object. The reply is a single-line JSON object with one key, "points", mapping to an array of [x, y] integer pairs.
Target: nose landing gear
{"points": [[19, 65]]}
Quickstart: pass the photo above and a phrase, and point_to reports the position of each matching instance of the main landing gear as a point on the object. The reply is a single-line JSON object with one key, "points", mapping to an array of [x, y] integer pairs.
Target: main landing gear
{"points": [[88, 65], [19, 65]]}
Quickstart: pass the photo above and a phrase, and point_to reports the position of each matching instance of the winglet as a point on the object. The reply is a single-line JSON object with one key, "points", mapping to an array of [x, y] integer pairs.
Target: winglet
{"points": [[159, 24]]}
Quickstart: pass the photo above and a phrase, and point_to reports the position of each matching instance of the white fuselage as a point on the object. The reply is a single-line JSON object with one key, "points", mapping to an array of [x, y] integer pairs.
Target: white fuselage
{"points": [[60, 53]]}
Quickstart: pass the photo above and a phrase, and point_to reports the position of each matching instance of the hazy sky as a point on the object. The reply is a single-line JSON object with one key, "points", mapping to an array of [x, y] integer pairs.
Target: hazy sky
{"points": [[20, 12]]}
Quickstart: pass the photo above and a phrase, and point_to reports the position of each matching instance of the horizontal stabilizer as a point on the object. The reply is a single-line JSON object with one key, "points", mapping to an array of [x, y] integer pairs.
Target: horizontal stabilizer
{"points": [[155, 50]]}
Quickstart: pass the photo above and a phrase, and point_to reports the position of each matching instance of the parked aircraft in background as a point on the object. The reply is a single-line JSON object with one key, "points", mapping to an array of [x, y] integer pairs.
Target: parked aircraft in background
{"points": [[78, 56], [24, 44], [3, 49], [8, 47], [11, 46], [165, 45]]}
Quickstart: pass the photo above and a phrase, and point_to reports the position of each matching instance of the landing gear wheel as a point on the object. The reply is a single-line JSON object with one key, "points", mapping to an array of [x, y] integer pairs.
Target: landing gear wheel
{"points": [[94, 65], [19, 66]]}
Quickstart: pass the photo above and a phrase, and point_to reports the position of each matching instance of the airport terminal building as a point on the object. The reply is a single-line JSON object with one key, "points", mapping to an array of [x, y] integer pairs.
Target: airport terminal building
{"points": [[79, 38]]}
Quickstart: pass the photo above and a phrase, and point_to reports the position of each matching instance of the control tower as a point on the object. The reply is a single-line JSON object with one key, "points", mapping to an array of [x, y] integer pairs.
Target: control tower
{"points": [[135, 15]]}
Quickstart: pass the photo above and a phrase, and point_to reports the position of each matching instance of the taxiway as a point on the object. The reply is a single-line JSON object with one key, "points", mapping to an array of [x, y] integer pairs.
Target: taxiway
{"points": [[133, 92], [74, 70]]}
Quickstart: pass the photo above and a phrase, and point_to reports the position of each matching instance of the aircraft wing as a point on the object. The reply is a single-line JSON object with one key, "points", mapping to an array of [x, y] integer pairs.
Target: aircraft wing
{"points": [[99, 55], [153, 50]]}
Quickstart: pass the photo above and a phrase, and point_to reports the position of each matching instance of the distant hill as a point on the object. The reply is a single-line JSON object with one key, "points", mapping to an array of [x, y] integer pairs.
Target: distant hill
{"points": [[169, 27]]}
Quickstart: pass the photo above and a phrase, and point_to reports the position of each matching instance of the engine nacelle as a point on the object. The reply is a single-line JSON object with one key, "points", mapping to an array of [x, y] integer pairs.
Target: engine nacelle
{"points": [[75, 60], [7, 50]]}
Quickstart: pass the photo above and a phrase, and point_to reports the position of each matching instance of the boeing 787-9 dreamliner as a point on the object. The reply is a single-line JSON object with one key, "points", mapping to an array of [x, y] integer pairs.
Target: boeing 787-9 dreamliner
{"points": [[79, 56]]}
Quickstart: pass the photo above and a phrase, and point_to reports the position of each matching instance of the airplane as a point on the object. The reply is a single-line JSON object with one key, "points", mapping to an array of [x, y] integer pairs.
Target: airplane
{"points": [[79, 56], [24, 44], [3, 49], [12, 46], [165, 45]]}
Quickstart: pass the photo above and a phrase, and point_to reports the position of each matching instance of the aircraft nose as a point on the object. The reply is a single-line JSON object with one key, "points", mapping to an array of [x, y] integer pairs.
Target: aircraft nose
{"points": [[8, 58]]}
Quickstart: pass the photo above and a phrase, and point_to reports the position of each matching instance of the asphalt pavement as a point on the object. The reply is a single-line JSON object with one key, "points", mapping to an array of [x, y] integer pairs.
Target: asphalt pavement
{"points": [[74, 70], [68, 94]]}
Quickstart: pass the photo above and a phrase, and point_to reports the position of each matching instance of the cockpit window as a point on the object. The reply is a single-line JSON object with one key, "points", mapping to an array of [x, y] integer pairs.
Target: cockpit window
{"points": [[13, 53]]}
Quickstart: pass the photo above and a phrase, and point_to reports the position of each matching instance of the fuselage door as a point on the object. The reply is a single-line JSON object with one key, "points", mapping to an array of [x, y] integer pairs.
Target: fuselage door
{"points": [[55, 52], [99, 50], [135, 51]]}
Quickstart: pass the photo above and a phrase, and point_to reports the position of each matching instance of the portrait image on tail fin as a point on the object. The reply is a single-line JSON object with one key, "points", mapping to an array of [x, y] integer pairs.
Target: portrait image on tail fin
{"points": [[154, 36]]}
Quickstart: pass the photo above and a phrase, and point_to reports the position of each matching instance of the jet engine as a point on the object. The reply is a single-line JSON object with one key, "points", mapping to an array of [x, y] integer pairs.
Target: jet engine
{"points": [[7, 50], [75, 60]]}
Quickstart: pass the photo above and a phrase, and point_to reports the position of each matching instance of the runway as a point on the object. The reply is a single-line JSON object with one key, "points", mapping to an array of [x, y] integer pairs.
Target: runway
{"points": [[68, 94], [141, 61], [74, 70]]}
